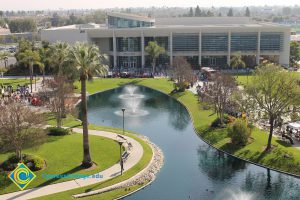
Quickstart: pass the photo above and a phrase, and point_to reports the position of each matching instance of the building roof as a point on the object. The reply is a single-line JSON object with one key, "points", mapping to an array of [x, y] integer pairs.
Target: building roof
{"points": [[131, 16]]}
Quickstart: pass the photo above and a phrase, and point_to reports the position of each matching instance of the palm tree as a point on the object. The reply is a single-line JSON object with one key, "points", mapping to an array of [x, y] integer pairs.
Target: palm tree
{"points": [[30, 58], [237, 61], [59, 55], [4, 57], [87, 61], [154, 50], [45, 59]]}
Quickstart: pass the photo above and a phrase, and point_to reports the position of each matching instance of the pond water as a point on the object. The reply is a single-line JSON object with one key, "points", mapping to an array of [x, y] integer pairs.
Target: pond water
{"points": [[192, 169]]}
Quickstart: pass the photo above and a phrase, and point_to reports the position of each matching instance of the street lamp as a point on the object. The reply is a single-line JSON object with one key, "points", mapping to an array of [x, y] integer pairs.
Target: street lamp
{"points": [[123, 110], [121, 160]]}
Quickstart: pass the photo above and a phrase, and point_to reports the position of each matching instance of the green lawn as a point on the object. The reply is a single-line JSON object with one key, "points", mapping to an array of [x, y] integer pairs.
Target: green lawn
{"points": [[243, 79], [115, 193], [218, 137], [63, 155], [15, 81]]}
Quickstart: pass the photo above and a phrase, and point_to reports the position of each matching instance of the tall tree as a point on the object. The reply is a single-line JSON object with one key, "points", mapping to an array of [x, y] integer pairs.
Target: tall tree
{"points": [[219, 94], [294, 54], [22, 25], [182, 72], [247, 13], [154, 50], [30, 58], [274, 91], [197, 12], [237, 62], [20, 127], [191, 12], [230, 13], [87, 61], [59, 55]]}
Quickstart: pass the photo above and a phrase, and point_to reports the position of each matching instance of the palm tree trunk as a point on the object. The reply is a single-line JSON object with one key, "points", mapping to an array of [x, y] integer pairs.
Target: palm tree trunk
{"points": [[87, 161], [153, 66]]}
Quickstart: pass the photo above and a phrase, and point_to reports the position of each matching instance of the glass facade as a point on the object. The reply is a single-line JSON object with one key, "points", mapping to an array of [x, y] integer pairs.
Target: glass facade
{"points": [[244, 41], [117, 22], [271, 41], [185, 42], [214, 61], [162, 60], [214, 42], [129, 62], [130, 44]]}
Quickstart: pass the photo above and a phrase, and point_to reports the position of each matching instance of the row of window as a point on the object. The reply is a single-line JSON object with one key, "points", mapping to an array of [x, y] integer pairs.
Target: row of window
{"points": [[117, 22], [209, 42]]}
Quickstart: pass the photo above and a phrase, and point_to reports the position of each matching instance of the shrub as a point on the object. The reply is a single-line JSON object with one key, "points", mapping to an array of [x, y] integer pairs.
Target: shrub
{"points": [[227, 120], [54, 131], [33, 162], [239, 132], [295, 117]]}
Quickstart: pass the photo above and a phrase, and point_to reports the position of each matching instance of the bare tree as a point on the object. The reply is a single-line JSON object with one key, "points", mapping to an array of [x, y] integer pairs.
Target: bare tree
{"points": [[219, 94], [60, 90], [274, 92], [20, 127], [182, 72]]}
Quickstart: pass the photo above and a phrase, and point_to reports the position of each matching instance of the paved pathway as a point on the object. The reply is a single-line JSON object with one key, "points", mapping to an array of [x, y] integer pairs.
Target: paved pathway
{"points": [[136, 154]]}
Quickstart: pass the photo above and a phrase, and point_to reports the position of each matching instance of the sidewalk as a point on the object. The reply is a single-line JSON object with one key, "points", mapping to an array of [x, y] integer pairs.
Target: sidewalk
{"points": [[136, 154]]}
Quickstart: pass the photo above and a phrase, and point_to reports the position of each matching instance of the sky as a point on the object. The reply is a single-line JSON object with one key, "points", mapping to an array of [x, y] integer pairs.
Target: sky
{"points": [[95, 4]]}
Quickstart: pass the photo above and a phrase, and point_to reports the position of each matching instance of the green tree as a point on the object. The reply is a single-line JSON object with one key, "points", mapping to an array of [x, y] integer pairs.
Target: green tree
{"points": [[59, 55], [154, 50], [44, 53], [237, 62], [22, 25], [239, 132], [198, 11], [247, 13], [87, 62], [294, 54], [30, 58], [274, 92], [230, 13], [191, 12]]}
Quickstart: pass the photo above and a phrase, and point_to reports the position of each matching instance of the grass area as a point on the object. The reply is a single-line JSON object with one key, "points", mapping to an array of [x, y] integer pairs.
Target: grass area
{"points": [[243, 79], [115, 193], [15, 81], [63, 155], [284, 157]]}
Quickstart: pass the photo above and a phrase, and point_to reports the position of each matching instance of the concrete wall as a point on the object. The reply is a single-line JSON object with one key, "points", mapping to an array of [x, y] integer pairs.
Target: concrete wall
{"points": [[70, 36]]}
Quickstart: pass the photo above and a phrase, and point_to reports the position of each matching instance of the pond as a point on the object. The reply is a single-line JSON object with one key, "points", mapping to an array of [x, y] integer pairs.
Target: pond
{"points": [[192, 169]]}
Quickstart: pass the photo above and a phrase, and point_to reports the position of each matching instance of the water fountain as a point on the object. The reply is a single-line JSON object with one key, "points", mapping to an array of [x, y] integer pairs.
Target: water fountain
{"points": [[132, 101], [236, 194]]}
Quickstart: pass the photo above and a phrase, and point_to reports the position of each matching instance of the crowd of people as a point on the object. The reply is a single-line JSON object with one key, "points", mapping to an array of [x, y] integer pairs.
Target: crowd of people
{"points": [[21, 93]]}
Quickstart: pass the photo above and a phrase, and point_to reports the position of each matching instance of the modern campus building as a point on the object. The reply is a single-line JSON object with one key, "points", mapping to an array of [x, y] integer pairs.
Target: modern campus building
{"points": [[204, 41]]}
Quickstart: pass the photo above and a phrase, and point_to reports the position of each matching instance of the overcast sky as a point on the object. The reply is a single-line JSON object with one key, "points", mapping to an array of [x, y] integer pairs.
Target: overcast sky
{"points": [[78, 4]]}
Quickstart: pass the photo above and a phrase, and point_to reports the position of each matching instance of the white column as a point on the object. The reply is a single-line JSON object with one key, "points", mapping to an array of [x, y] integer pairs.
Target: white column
{"points": [[200, 49], [143, 49], [258, 48], [115, 49], [285, 48], [229, 48], [171, 48]]}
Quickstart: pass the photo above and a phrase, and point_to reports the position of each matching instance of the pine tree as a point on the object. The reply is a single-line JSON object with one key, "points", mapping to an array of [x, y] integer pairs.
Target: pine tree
{"points": [[247, 14], [191, 12], [230, 13], [197, 12]]}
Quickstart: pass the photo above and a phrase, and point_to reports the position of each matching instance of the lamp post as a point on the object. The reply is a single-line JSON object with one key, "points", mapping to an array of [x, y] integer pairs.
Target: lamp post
{"points": [[123, 110], [121, 160]]}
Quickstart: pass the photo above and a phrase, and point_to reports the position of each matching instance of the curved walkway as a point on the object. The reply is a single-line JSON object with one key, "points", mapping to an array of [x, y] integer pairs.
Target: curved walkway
{"points": [[136, 154]]}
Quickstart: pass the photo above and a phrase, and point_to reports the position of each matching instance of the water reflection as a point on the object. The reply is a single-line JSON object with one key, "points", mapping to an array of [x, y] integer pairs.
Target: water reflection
{"points": [[217, 165], [192, 168]]}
